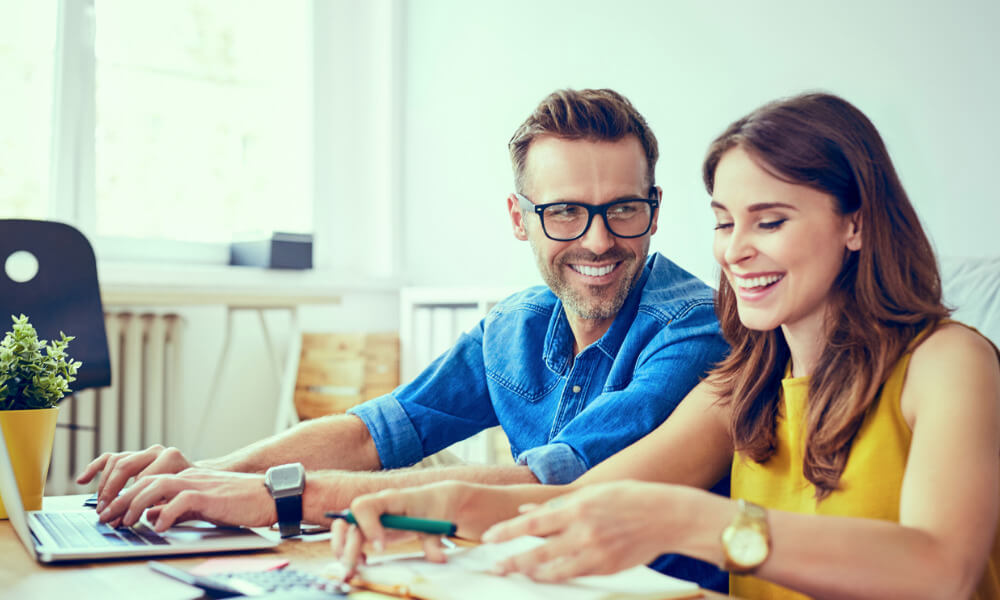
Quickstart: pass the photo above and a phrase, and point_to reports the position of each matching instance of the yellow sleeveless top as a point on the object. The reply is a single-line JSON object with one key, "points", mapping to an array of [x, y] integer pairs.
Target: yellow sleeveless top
{"points": [[869, 487]]}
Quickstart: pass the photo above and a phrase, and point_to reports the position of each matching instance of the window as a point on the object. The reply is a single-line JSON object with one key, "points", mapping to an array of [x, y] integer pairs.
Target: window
{"points": [[187, 120], [165, 129], [203, 114], [27, 42]]}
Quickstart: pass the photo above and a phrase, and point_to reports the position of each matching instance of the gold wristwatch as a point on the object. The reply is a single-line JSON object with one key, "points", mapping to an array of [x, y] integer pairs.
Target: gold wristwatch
{"points": [[746, 542]]}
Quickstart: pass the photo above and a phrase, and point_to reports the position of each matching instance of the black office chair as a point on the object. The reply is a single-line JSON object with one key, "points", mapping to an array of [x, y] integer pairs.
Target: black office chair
{"points": [[63, 295]]}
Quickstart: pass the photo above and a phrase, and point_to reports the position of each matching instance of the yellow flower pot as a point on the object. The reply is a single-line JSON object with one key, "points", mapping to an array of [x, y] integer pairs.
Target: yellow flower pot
{"points": [[29, 435]]}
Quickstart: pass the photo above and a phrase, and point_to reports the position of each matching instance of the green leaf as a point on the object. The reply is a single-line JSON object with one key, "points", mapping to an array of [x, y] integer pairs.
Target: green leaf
{"points": [[33, 373]]}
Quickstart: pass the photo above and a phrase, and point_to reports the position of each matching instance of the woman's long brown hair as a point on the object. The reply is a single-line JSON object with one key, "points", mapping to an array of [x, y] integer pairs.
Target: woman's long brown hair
{"points": [[886, 293]]}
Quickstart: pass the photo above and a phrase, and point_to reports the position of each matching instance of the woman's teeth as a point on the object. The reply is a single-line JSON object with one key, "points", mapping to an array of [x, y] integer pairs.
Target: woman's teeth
{"points": [[750, 283]]}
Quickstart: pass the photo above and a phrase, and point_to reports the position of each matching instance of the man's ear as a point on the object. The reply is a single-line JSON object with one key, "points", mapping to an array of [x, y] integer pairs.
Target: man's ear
{"points": [[854, 232], [656, 213], [516, 218]]}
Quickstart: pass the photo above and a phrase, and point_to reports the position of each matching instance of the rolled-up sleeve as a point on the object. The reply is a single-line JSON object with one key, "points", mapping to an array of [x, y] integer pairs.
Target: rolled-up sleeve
{"points": [[396, 440], [554, 463], [446, 403]]}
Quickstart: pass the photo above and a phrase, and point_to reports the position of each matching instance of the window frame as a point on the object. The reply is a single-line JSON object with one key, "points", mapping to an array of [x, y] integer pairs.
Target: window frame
{"points": [[72, 180]]}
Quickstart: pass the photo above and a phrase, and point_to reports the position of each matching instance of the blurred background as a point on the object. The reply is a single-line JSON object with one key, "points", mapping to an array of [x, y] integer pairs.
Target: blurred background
{"points": [[166, 129]]}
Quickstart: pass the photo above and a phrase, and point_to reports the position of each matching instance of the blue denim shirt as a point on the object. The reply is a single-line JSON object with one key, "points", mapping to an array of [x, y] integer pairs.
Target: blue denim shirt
{"points": [[562, 414]]}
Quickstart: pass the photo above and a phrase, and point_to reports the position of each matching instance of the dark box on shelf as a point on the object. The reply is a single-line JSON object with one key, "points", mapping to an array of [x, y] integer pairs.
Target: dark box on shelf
{"points": [[279, 251]]}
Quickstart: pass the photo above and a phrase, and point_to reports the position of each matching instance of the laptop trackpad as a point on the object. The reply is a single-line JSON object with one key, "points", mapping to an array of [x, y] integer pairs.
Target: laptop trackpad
{"points": [[193, 531]]}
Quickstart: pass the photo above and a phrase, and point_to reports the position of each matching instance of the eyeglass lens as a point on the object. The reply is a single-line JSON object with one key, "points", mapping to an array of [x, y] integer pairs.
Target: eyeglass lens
{"points": [[624, 219]]}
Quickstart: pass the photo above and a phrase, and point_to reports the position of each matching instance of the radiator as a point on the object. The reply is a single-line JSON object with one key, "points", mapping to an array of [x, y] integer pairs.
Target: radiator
{"points": [[130, 413], [431, 321]]}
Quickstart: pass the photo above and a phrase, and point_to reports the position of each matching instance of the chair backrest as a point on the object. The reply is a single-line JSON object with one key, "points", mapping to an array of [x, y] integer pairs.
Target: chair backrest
{"points": [[63, 295]]}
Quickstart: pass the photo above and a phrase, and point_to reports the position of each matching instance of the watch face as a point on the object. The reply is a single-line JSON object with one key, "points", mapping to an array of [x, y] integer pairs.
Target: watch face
{"points": [[284, 477], [745, 546]]}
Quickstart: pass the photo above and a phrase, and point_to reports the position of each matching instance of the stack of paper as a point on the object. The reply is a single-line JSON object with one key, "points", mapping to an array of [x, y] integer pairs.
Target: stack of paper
{"points": [[466, 575]]}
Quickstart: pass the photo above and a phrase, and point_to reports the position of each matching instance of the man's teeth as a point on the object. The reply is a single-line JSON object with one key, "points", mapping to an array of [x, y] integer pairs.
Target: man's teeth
{"points": [[593, 271], [756, 282]]}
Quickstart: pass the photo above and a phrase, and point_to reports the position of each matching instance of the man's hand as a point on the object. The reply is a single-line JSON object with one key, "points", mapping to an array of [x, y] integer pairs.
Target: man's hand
{"points": [[219, 497], [116, 468]]}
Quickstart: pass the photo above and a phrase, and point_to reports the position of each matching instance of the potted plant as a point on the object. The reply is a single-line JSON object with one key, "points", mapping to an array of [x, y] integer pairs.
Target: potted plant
{"points": [[34, 377]]}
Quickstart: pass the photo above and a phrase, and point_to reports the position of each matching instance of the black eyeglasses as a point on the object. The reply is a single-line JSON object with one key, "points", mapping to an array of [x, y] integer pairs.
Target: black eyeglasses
{"points": [[567, 221]]}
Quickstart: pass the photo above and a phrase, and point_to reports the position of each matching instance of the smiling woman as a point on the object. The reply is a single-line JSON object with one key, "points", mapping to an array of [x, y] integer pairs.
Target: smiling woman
{"points": [[763, 225]]}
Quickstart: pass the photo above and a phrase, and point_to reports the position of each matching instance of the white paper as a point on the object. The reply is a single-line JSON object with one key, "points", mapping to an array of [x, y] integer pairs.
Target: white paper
{"points": [[466, 575]]}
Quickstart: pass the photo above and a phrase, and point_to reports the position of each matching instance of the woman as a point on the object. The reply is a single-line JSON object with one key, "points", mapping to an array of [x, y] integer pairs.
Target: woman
{"points": [[862, 428]]}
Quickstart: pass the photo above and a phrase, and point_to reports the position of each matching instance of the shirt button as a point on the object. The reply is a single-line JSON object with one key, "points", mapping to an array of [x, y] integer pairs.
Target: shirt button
{"points": [[576, 389]]}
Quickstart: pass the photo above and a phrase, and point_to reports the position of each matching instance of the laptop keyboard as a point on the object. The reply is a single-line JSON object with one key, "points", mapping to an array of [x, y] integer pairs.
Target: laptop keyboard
{"points": [[80, 530]]}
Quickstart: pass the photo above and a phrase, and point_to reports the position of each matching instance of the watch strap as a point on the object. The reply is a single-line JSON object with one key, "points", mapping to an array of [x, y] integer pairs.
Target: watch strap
{"points": [[289, 511], [750, 516]]}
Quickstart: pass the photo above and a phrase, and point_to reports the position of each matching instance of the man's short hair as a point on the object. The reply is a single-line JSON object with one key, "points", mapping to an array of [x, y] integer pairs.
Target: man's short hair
{"points": [[593, 115]]}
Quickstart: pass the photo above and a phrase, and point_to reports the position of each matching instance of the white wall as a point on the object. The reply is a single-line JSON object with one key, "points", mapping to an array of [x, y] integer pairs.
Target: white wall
{"points": [[419, 98], [245, 407], [923, 71], [356, 136]]}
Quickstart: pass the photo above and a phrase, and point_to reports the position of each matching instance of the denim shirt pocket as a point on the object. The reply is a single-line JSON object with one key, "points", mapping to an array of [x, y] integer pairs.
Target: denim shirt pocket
{"points": [[513, 352], [528, 382], [615, 386], [621, 374]]}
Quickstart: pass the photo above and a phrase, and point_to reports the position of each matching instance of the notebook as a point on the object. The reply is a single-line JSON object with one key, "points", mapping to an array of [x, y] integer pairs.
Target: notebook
{"points": [[77, 535], [467, 575]]}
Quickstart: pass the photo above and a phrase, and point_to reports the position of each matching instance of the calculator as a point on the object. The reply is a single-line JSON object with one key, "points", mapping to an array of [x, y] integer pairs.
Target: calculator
{"points": [[253, 583]]}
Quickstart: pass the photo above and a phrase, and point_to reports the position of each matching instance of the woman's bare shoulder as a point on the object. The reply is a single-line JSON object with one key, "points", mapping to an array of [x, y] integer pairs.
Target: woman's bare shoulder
{"points": [[951, 341], [953, 360]]}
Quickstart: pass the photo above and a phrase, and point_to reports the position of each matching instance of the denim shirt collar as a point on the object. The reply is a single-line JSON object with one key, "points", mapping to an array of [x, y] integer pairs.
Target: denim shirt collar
{"points": [[559, 336]]}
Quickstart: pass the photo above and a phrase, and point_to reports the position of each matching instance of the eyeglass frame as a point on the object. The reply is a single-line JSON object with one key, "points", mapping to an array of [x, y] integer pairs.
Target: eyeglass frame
{"points": [[592, 209]]}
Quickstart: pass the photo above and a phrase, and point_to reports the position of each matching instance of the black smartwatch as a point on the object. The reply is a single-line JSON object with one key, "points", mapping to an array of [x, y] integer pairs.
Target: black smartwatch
{"points": [[286, 484]]}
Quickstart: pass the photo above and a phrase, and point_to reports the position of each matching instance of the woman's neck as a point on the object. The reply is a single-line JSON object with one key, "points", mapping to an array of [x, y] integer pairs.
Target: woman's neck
{"points": [[806, 340]]}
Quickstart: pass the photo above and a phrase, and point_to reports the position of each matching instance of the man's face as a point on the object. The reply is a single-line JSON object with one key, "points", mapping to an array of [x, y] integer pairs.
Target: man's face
{"points": [[593, 274]]}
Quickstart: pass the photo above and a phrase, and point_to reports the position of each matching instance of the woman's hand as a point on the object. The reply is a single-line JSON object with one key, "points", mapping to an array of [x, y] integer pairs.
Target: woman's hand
{"points": [[446, 501], [599, 529]]}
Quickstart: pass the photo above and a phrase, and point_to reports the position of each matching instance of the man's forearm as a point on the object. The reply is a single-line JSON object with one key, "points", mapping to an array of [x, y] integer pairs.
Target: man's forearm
{"points": [[334, 490], [333, 442]]}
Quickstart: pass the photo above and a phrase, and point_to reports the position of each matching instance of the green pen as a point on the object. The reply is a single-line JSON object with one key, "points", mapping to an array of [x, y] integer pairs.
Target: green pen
{"points": [[404, 523]]}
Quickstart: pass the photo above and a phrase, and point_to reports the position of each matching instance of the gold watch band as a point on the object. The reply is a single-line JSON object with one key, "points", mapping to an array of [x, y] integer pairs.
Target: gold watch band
{"points": [[746, 542]]}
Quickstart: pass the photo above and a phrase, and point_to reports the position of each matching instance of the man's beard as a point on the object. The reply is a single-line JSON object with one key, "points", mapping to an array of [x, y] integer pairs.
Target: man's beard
{"points": [[605, 302]]}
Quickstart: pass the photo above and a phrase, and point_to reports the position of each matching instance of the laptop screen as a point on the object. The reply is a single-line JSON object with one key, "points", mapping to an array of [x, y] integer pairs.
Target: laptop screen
{"points": [[12, 497]]}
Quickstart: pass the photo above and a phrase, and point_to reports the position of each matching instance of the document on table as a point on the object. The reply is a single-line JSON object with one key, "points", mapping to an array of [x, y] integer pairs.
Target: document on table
{"points": [[466, 575]]}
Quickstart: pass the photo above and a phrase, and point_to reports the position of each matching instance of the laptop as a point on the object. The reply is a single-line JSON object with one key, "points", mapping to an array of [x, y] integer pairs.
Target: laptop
{"points": [[55, 536]]}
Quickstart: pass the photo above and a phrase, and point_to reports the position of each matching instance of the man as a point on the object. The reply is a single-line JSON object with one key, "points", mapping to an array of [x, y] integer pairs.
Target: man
{"points": [[572, 372]]}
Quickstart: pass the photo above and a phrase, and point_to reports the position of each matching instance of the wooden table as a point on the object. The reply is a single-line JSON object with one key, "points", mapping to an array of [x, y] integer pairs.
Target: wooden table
{"points": [[21, 578]]}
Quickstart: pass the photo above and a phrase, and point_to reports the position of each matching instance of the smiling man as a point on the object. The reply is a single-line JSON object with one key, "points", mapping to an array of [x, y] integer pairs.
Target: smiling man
{"points": [[595, 211], [573, 371]]}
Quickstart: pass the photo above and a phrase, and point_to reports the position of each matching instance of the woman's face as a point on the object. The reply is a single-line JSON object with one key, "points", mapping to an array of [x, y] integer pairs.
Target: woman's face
{"points": [[780, 245]]}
